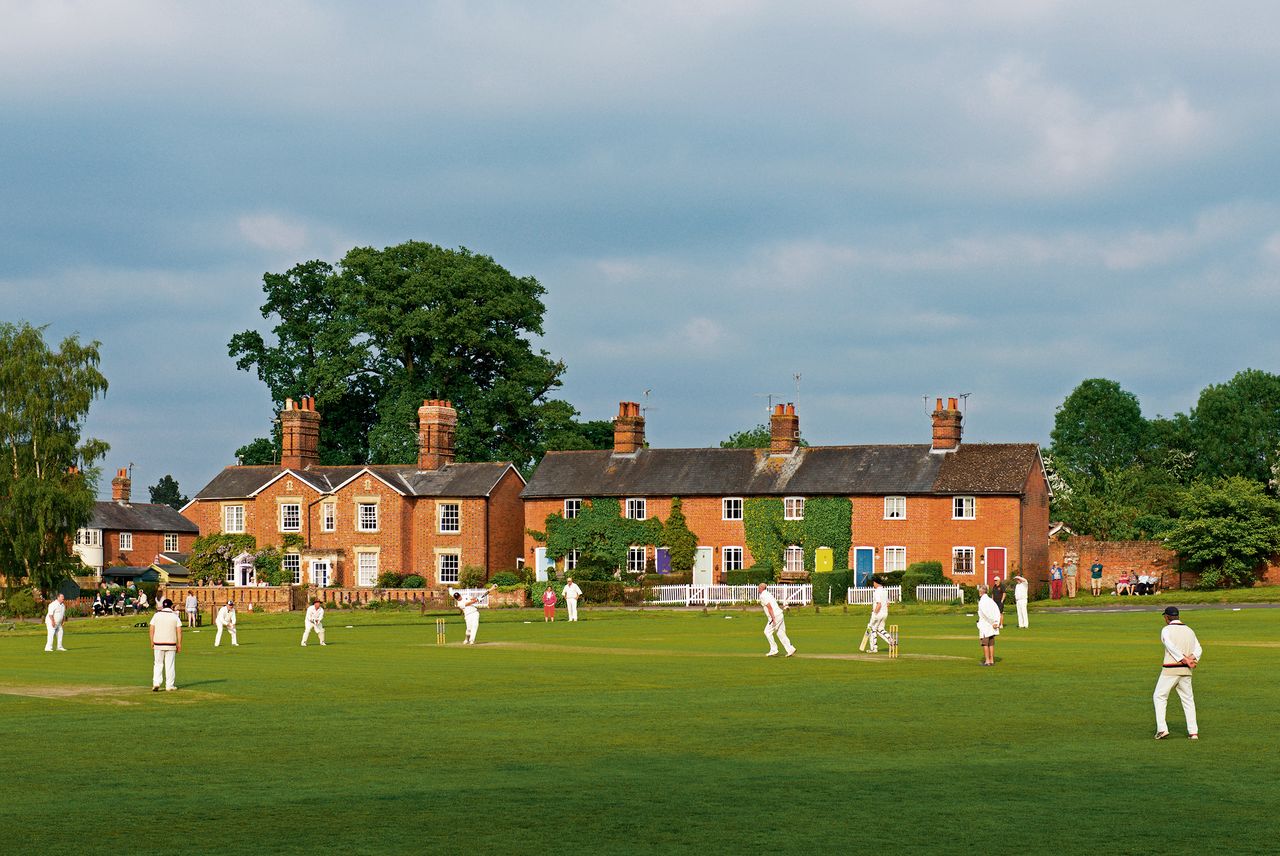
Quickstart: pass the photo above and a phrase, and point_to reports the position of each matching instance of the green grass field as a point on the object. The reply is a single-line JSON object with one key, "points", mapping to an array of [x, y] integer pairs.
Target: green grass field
{"points": [[656, 732]]}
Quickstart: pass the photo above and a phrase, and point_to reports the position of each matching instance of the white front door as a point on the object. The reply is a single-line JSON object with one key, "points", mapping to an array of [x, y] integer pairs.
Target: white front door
{"points": [[540, 564], [320, 572], [702, 566]]}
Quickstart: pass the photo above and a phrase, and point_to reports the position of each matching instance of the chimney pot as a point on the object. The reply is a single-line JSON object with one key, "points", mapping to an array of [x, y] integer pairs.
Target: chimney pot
{"points": [[951, 404]]}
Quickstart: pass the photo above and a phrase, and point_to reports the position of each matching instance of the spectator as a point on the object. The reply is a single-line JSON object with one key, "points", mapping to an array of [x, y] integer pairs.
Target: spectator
{"points": [[1055, 582], [997, 594], [1070, 574], [1124, 585], [549, 603], [1095, 576]]}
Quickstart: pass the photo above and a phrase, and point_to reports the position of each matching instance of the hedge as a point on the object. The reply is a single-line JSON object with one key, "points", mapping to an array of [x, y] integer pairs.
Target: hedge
{"points": [[831, 587], [750, 576]]}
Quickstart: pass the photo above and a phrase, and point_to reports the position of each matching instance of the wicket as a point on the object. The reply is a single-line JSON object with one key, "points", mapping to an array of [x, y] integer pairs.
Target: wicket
{"points": [[893, 643], [439, 631]]}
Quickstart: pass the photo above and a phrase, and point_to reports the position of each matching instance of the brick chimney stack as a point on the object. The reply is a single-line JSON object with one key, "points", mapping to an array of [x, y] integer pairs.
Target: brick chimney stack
{"points": [[300, 433], [946, 426], [121, 486], [784, 430], [437, 423], [628, 429]]}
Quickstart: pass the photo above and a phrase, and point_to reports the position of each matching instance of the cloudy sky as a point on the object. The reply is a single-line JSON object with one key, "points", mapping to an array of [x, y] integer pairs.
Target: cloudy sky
{"points": [[893, 199]]}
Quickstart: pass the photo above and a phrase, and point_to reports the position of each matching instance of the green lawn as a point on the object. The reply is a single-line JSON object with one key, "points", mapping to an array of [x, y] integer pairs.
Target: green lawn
{"points": [[661, 732]]}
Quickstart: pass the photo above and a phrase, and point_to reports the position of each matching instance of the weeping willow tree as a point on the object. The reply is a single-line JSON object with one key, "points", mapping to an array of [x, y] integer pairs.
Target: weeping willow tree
{"points": [[47, 472]]}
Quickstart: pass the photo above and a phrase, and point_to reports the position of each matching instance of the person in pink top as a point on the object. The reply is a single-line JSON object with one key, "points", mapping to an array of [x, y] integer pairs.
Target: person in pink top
{"points": [[549, 604]]}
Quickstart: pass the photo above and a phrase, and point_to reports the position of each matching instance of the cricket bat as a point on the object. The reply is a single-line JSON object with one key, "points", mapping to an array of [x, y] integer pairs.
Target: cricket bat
{"points": [[866, 635]]}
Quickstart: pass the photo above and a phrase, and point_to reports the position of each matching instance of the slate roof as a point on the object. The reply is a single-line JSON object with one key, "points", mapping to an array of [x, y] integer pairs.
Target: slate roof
{"points": [[139, 517], [977, 468], [453, 480]]}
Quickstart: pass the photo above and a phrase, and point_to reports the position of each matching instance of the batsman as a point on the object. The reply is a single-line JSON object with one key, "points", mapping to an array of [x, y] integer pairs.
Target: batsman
{"points": [[879, 614]]}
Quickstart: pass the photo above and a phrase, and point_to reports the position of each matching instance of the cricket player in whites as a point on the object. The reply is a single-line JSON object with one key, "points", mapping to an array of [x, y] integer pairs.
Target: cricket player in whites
{"points": [[54, 619], [572, 591], [314, 621], [1181, 654], [777, 623], [470, 615], [226, 620], [879, 614]]}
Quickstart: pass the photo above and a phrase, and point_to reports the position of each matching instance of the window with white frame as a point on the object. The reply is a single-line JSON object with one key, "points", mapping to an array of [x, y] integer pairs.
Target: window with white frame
{"points": [[572, 508], [449, 517], [292, 564], [731, 558], [171, 542], [126, 541], [731, 508], [290, 517], [447, 567], [329, 516], [636, 509], [794, 560], [793, 508], [89, 537], [895, 508], [367, 517], [233, 519], [635, 559], [962, 560], [571, 560], [962, 508], [366, 569], [895, 559]]}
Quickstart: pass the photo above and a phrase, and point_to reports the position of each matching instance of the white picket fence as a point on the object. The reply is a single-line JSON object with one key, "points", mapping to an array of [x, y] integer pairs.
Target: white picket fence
{"points": [[721, 595], [924, 594], [862, 596], [939, 593]]}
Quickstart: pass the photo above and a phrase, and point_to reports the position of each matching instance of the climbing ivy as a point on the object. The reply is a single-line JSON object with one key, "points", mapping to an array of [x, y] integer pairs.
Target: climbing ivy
{"points": [[679, 538], [598, 533], [828, 522]]}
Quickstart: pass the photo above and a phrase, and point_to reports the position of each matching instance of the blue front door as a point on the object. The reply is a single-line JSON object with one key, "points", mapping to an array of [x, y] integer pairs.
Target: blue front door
{"points": [[662, 560], [864, 560]]}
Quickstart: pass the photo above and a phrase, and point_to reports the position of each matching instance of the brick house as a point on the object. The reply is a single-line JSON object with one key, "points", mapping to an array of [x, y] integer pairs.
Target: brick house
{"points": [[981, 509], [131, 534], [434, 518]]}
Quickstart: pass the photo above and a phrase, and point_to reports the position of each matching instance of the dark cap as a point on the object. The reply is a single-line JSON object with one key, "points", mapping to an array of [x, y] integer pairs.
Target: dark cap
{"points": [[1171, 611]]}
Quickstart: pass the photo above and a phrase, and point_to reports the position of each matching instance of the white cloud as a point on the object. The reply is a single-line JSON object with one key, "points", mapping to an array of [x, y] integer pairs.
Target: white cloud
{"points": [[273, 232]]}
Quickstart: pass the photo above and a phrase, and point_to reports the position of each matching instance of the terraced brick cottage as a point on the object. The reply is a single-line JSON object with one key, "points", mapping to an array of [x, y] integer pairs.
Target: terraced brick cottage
{"points": [[981, 509], [130, 536], [434, 518]]}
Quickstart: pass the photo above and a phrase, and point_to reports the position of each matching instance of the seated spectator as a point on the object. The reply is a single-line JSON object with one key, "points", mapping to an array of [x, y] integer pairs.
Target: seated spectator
{"points": [[1124, 584], [99, 605], [142, 601]]}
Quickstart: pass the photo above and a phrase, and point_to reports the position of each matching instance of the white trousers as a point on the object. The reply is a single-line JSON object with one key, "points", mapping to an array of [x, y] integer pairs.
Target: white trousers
{"points": [[318, 628], [875, 627], [1182, 683], [781, 630], [165, 659], [572, 602], [55, 633], [1023, 621], [473, 624], [230, 628]]}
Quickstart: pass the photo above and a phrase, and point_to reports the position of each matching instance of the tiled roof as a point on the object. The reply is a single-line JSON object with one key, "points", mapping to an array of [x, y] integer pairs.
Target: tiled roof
{"points": [[139, 517], [460, 480], [811, 471]]}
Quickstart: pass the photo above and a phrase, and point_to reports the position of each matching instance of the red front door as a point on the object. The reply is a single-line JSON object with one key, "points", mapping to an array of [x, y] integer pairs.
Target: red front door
{"points": [[994, 565]]}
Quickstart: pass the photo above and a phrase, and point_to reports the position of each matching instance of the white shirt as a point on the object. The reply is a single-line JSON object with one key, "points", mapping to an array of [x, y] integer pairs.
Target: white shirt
{"points": [[192, 603], [315, 614], [1179, 640], [880, 598], [167, 625], [468, 608], [572, 592], [988, 616], [1020, 593], [57, 612], [767, 601], [226, 616]]}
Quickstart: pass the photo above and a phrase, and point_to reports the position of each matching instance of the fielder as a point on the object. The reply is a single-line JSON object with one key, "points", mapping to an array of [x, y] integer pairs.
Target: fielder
{"points": [[1020, 600], [879, 614], [314, 621], [1181, 655], [165, 631], [777, 622], [53, 621], [226, 620], [470, 615], [572, 591]]}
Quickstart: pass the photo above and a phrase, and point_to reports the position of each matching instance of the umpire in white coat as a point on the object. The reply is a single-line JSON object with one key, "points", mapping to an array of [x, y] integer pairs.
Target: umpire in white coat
{"points": [[989, 621], [1181, 654]]}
